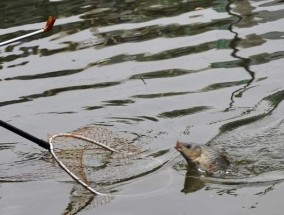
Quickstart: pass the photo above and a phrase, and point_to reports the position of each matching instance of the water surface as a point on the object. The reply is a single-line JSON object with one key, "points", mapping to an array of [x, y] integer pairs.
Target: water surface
{"points": [[209, 72]]}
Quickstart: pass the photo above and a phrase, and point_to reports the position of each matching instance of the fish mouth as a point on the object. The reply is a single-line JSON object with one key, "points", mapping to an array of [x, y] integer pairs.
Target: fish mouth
{"points": [[178, 146]]}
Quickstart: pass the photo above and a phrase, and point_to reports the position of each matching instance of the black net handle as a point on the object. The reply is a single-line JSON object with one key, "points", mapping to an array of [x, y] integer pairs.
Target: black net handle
{"points": [[26, 135]]}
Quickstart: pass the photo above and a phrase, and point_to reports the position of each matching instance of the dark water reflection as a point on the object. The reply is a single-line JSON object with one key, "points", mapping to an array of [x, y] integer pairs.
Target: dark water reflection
{"points": [[201, 71]]}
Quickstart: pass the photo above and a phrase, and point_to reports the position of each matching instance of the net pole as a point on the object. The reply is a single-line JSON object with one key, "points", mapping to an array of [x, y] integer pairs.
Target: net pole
{"points": [[26, 135], [48, 27]]}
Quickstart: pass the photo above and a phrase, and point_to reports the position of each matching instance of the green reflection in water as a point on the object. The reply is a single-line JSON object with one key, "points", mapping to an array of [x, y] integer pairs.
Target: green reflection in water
{"points": [[158, 95], [274, 100], [46, 75], [183, 112], [223, 85], [161, 74]]}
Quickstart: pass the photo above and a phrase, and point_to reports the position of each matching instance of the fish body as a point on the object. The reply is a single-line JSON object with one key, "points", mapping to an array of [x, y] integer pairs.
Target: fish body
{"points": [[205, 158]]}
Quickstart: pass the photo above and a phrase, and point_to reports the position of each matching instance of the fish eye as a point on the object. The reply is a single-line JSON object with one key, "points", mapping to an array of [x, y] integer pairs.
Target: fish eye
{"points": [[188, 146]]}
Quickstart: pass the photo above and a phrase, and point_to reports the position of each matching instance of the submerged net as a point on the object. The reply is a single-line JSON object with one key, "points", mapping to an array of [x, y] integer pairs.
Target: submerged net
{"points": [[100, 160]]}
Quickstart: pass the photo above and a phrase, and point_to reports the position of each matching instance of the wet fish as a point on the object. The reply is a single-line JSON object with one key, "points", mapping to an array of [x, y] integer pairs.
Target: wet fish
{"points": [[205, 158]]}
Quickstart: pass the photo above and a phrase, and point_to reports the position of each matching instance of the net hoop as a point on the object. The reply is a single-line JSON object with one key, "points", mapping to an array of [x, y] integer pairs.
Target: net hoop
{"points": [[84, 184], [63, 165]]}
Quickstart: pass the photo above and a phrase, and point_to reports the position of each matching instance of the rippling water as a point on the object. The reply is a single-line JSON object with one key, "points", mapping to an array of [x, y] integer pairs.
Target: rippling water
{"points": [[209, 72]]}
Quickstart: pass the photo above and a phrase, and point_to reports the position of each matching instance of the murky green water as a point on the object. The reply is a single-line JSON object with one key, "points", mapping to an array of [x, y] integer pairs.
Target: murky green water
{"points": [[209, 72]]}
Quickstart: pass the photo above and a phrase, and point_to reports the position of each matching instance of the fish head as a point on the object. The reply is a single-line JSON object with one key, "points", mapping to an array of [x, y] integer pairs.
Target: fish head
{"points": [[190, 151]]}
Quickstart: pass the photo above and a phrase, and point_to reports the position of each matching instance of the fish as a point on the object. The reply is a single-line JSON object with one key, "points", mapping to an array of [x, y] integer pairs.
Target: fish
{"points": [[205, 158]]}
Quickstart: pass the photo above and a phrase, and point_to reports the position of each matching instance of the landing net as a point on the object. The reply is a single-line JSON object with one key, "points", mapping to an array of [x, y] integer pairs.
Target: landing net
{"points": [[100, 160]]}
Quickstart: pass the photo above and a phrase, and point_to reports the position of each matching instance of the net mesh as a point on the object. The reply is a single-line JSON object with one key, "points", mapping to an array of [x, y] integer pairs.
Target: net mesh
{"points": [[98, 167], [81, 199]]}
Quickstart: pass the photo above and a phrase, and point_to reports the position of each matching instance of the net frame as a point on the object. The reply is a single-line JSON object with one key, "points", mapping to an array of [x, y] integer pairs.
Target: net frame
{"points": [[66, 169], [111, 146], [123, 150]]}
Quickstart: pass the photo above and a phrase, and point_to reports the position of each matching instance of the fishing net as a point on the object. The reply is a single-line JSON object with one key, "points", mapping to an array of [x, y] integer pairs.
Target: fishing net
{"points": [[100, 160]]}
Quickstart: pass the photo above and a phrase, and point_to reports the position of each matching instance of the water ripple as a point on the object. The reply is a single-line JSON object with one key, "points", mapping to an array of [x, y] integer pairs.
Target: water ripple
{"points": [[205, 71]]}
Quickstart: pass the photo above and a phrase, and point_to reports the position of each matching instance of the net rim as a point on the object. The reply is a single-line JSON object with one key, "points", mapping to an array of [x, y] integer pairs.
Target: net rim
{"points": [[76, 178], [85, 185]]}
